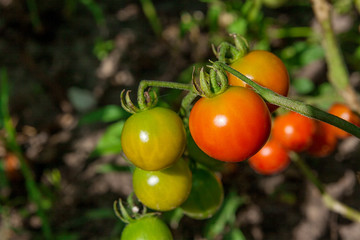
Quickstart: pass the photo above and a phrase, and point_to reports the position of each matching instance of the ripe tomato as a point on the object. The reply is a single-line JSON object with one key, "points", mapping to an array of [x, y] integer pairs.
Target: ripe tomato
{"points": [[294, 131], [12, 167], [323, 142], [206, 195], [272, 158], [342, 111], [163, 190], [149, 228], [153, 139], [264, 68], [231, 126]]}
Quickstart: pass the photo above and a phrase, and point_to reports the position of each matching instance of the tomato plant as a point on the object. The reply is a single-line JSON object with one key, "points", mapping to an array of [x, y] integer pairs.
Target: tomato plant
{"points": [[294, 131], [231, 126], [206, 195], [163, 190], [342, 111], [153, 139], [324, 141], [264, 68], [147, 227], [272, 158]]}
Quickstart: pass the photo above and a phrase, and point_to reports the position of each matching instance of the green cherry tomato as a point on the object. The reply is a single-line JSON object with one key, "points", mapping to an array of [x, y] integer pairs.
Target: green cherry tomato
{"points": [[163, 190], [146, 228], [153, 139], [206, 195], [231, 126]]}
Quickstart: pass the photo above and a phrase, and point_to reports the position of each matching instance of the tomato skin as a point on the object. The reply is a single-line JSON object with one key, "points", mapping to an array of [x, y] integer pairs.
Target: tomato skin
{"points": [[231, 126], [206, 195], [271, 159], [294, 131], [163, 190], [153, 139], [342, 111], [147, 228], [264, 68], [324, 141]]}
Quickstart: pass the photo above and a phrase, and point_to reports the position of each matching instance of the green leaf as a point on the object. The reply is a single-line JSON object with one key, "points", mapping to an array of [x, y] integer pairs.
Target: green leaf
{"points": [[109, 167], [225, 216], [106, 114], [234, 234], [312, 53], [239, 26], [303, 85], [110, 142]]}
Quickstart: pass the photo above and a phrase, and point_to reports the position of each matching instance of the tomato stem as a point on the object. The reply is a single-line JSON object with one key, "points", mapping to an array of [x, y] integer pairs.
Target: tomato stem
{"points": [[329, 201], [294, 105]]}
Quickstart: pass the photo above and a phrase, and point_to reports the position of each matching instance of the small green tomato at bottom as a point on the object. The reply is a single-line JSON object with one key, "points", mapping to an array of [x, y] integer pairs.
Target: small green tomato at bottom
{"points": [[206, 195], [163, 190], [146, 228]]}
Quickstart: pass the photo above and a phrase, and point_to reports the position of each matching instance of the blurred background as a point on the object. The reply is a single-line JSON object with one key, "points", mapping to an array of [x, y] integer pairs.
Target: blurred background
{"points": [[63, 64]]}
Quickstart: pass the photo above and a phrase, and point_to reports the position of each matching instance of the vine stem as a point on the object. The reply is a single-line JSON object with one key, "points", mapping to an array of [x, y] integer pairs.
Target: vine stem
{"points": [[145, 84], [295, 105], [337, 73], [329, 201], [31, 186]]}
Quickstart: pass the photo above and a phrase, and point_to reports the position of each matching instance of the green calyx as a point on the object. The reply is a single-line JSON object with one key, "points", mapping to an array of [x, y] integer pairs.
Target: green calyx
{"points": [[210, 84], [229, 53], [146, 101]]}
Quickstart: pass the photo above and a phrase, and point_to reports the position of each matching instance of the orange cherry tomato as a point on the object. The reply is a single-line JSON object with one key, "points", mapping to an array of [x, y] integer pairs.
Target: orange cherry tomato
{"points": [[343, 111], [231, 126], [324, 141], [272, 158], [264, 68], [294, 131]]}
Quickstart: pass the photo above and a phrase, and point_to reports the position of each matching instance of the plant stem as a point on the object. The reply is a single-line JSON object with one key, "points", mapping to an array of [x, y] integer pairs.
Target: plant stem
{"points": [[337, 72], [328, 200], [186, 103], [294, 105], [144, 84], [31, 186]]}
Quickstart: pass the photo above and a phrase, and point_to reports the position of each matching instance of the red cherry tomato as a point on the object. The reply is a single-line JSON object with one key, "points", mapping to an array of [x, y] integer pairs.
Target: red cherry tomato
{"points": [[231, 126], [342, 111], [264, 68], [272, 158], [294, 131], [324, 141]]}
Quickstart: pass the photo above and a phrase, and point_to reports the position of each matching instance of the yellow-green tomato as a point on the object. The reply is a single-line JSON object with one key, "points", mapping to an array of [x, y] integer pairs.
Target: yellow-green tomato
{"points": [[147, 228], [153, 139], [206, 195], [163, 190]]}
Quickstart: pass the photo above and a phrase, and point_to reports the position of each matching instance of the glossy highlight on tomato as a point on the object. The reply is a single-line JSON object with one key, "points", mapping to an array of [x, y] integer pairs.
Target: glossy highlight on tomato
{"points": [[294, 131], [343, 111], [206, 195], [264, 68], [271, 159], [163, 190], [146, 228], [153, 139], [231, 126]]}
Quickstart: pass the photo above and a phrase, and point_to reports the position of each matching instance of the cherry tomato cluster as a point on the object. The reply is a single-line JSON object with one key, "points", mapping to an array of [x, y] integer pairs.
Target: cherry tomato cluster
{"points": [[294, 132]]}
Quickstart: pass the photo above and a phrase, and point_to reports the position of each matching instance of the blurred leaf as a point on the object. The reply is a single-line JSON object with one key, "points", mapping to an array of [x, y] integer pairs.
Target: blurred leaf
{"points": [[109, 167], [173, 217], [105, 114], [150, 12], [100, 213], [214, 11], [303, 85], [234, 234], [311, 53], [82, 99], [95, 9], [225, 216], [239, 26], [67, 236], [110, 142], [102, 48]]}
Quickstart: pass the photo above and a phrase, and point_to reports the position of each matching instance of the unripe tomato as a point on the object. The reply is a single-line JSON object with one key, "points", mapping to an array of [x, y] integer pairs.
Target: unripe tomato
{"points": [[163, 190], [342, 111], [294, 131], [206, 195], [264, 68], [272, 158], [324, 141], [146, 228], [231, 126], [153, 139]]}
